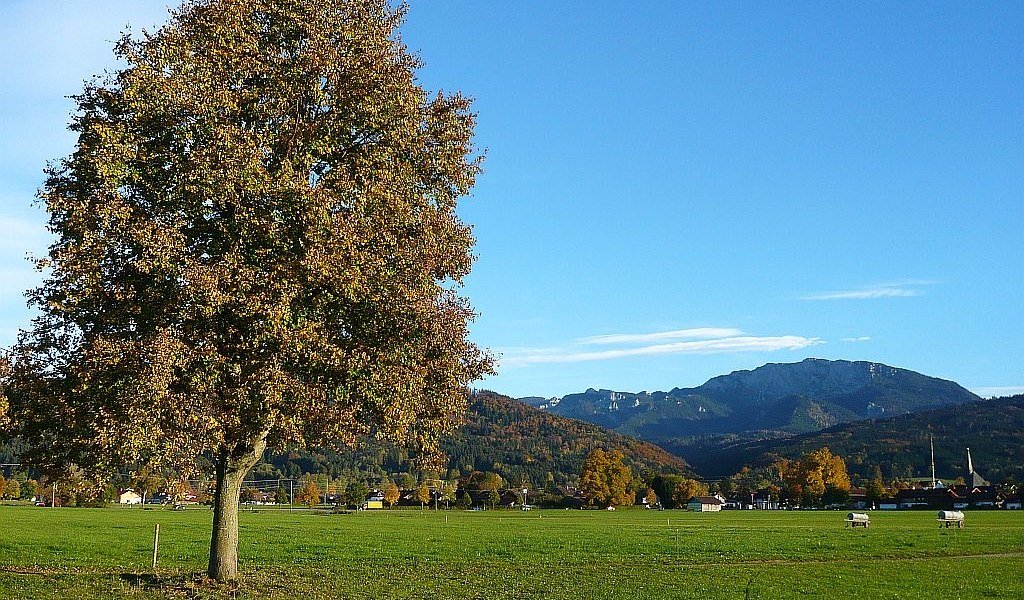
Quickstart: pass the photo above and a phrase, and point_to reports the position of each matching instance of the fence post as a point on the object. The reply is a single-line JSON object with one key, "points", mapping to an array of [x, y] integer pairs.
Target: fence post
{"points": [[156, 543]]}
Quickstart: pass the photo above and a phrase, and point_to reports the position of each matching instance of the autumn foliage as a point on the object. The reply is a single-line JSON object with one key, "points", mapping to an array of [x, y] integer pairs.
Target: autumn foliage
{"points": [[605, 479], [256, 244], [818, 476]]}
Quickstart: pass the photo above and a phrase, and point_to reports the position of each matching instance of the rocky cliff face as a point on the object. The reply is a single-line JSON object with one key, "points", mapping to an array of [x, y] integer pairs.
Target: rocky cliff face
{"points": [[813, 377]]}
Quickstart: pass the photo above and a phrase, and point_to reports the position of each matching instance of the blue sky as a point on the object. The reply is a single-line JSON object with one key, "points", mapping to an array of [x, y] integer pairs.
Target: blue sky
{"points": [[673, 191]]}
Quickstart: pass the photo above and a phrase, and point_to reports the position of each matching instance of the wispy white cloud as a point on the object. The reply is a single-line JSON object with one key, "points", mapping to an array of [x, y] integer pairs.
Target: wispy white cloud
{"points": [[899, 289], [999, 390], [862, 338], [573, 353], [698, 333]]}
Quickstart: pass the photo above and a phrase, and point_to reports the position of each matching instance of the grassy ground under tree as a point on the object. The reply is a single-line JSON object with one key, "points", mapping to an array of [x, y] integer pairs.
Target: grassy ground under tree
{"points": [[106, 553]]}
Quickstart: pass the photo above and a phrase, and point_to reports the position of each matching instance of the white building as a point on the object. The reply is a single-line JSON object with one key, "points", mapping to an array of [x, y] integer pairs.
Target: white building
{"points": [[129, 497], [704, 504]]}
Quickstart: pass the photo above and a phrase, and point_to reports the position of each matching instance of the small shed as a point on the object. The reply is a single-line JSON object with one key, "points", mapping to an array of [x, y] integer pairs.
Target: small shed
{"points": [[704, 504], [129, 497]]}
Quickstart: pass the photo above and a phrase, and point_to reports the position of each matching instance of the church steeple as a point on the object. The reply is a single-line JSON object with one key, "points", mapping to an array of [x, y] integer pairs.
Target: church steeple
{"points": [[973, 479]]}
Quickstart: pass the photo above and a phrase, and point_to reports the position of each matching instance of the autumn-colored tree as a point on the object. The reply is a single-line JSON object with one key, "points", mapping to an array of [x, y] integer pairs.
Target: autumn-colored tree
{"points": [[605, 479], [3, 485], [391, 494], [12, 491], [593, 482], [257, 244], [686, 489], [814, 474], [5, 377], [177, 489], [309, 494], [650, 497], [674, 491], [250, 494], [72, 490], [493, 498], [448, 491], [423, 495], [620, 478], [483, 481]]}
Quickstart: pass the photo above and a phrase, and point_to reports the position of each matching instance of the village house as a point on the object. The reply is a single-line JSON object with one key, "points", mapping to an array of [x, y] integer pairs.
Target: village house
{"points": [[986, 496], [704, 504], [939, 498], [859, 498], [764, 499], [373, 502], [732, 504], [129, 497]]}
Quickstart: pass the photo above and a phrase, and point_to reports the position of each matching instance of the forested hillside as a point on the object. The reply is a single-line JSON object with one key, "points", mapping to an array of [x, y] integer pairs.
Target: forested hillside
{"points": [[501, 435], [504, 435], [992, 429]]}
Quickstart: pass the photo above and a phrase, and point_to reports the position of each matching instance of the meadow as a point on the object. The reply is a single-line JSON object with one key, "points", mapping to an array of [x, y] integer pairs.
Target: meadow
{"points": [[106, 553]]}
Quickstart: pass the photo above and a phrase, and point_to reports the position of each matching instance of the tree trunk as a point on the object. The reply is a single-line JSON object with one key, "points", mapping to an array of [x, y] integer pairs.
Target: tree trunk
{"points": [[232, 467]]}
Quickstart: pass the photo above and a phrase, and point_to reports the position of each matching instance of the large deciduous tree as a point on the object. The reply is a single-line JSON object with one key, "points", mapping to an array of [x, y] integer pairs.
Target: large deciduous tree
{"points": [[423, 495], [674, 491], [256, 244], [12, 491], [816, 475], [391, 494], [605, 479], [309, 494]]}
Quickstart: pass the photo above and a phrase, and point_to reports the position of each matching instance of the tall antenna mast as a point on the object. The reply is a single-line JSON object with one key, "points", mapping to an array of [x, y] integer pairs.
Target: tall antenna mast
{"points": [[931, 439]]}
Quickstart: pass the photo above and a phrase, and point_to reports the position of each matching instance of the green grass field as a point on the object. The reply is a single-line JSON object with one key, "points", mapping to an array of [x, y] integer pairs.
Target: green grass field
{"points": [[106, 553]]}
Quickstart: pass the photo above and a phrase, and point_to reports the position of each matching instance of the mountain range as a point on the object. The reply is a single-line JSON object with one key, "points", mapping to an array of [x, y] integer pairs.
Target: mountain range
{"points": [[775, 400]]}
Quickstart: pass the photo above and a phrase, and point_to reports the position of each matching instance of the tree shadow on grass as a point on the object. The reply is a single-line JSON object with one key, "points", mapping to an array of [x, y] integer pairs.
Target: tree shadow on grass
{"points": [[193, 586]]}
